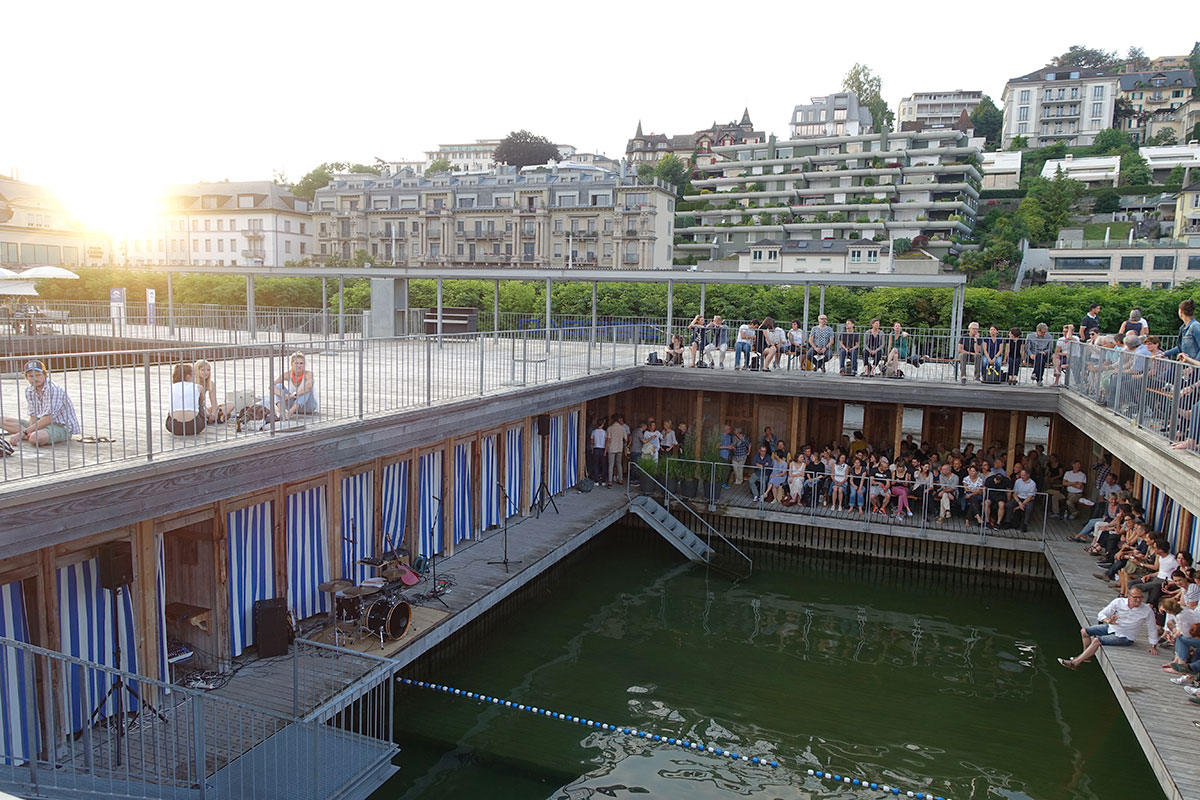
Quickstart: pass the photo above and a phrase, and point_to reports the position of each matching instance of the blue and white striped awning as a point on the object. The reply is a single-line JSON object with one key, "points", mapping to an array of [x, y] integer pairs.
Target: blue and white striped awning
{"points": [[17, 702], [307, 553], [429, 511], [358, 525], [463, 490], [554, 456], [514, 457], [251, 570], [395, 504], [571, 467], [489, 477], [85, 614]]}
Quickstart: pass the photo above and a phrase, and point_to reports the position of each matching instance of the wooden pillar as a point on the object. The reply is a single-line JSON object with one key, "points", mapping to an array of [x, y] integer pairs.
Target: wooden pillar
{"points": [[802, 425], [145, 606], [377, 495], [448, 497], [49, 631], [794, 424], [612, 407], [220, 612], [1013, 416], [658, 407], [583, 441], [899, 431], [412, 536], [333, 527], [279, 538], [527, 489]]}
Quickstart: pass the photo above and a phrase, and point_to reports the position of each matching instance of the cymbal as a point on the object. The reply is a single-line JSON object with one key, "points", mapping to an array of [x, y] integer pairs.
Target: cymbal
{"points": [[336, 585], [359, 591]]}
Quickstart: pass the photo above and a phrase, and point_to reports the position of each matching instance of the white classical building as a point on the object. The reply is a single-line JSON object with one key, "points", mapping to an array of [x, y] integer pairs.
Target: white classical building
{"points": [[475, 156], [1002, 170], [35, 229], [1094, 171], [1059, 104], [937, 109], [238, 223], [832, 256]]}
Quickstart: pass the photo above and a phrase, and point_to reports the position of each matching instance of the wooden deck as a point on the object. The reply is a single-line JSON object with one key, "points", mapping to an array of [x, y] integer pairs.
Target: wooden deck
{"points": [[1158, 711]]}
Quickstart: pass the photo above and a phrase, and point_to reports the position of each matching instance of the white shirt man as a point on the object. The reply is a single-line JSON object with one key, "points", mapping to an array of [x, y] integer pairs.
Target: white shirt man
{"points": [[1073, 482], [599, 437], [1120, 621]]}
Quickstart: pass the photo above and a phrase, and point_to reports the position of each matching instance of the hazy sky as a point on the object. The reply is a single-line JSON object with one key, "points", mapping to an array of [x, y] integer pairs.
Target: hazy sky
{"points": [[104, 102]]}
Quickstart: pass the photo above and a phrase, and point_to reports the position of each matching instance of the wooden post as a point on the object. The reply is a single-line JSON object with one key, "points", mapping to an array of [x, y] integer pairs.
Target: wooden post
{"points": [[412, 536], [333, 527], [527, 466], [612, 406], [1013, 416], [583, 442], [698, 435], [802, 433], [794, 425], [220, 620], [899, 431], [448, 497], [49, 631], [145, 607], [279, 538], [658, 407]]}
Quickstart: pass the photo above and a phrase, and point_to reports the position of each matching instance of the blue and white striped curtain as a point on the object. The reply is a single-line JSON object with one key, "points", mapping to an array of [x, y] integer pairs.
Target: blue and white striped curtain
{"points": [[571, 468], [514, 455], [251, 570], [85, 613], [358, 525], [554, 456], [429, 512], [395, 504], [463, 505], [307, 552], [15, 708], [489, 475], [160, 581]]}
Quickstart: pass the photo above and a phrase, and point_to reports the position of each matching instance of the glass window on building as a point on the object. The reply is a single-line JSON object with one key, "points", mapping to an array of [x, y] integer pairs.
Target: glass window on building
{"points": [[1083, 262], [1194, 262], [1131, 262], [1164, 262]]}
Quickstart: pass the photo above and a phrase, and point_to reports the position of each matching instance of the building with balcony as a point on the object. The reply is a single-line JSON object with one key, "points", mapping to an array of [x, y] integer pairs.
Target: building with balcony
{"points": [[1094, 171], [831, 257], [1059, 104], [1002, 169], [649, 148], [558, 215], [231, 223], [1156, 102], [1187, 212], [35, 229], [1157, 264], [836, 114], [937, 109], [1162, 159], [876, 186], [474, 156]]}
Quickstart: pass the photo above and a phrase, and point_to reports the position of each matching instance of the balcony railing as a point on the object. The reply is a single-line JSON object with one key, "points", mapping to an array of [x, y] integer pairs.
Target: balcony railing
{"points": [[253, 233]]}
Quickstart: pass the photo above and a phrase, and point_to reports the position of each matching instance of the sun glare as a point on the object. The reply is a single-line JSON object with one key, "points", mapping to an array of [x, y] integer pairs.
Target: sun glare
{"points": [[119, 209]]}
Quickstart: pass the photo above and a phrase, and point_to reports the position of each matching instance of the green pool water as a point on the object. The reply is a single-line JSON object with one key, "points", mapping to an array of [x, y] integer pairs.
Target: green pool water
{"points": [[927, 679]]}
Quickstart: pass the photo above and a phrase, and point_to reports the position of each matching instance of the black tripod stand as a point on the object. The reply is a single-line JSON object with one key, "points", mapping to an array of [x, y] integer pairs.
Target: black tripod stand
{"points": [[436, 592], [116, 692], [508, 513], [542, 495]]}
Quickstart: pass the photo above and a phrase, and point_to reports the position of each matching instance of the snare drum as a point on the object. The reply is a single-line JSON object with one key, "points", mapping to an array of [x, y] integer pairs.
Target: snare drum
{"points": [[389, 618]]}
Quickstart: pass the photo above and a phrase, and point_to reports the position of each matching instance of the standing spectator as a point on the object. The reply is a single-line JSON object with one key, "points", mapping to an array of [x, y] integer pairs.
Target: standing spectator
{"points": [[1014, 355], [820, 343], [51, 415], [669, 444], [726, 454], [1120, 622], [696, 340], [769, 439], [1038, 345], [873, 342], [760, 472], [596, 462], [1064, 349], [1189, 332], [795, 343], [1135, 324], [969, 348], [741, 451], [1090, 322], [848, 349], [636, 440], [718, 341], [651, 438], [744, 345], [947, 490], [993, 351], [615, 440], [1023, 500]]}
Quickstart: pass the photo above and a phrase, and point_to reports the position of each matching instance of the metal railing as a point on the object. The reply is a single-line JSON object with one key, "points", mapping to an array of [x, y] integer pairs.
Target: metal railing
{"points": [[711, 535], [122, 398], [916, 508], [1154, 393], [84, 729]]}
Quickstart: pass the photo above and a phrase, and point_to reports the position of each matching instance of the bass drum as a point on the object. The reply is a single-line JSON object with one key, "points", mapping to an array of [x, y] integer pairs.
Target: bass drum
{"points": [[389, 619]]}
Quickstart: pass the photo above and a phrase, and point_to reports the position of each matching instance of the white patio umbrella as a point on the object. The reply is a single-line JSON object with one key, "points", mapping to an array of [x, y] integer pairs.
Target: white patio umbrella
{"points": [[37, 273], [9, 287], [8, 273]]}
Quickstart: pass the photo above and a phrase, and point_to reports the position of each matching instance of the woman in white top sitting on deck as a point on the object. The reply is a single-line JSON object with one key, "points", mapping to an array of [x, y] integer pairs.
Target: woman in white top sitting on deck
{"points": [[186, 417]]}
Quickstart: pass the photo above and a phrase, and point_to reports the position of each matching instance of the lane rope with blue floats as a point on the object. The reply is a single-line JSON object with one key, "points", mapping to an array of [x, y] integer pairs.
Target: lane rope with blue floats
{"points": [[686, 744]]}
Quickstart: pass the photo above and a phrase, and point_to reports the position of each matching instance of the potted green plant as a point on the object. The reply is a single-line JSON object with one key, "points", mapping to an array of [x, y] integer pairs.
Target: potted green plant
{"points": [[710, 477], [671, 473], [689, 484], [646, 466]]}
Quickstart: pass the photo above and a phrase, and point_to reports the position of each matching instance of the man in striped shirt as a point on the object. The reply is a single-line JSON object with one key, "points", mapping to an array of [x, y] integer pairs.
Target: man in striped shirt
{"points": [[51, 416]]}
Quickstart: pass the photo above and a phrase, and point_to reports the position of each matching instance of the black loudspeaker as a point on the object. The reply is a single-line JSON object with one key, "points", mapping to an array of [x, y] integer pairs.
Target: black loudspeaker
{"points": [[270, 627], [116, 565], [543, 424]]}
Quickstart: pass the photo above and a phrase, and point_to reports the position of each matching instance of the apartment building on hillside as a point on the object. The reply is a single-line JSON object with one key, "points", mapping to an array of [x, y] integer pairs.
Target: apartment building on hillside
{"points": [[838, 114], [563, 215], [649, 148], [1157, 100], [937, 109], [1056, 104]]}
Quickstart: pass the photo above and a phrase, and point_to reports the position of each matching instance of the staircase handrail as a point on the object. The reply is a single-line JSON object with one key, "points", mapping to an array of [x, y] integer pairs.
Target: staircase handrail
{"points": [[668, 494]]}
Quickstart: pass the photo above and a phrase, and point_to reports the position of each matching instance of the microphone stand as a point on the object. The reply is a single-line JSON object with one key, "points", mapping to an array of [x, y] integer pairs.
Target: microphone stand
{"points": [[510, 509], [436, 591]]}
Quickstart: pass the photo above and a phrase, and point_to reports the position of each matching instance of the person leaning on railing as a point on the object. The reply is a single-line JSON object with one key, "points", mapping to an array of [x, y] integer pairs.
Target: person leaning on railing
{"points": [[1187, 352], [51, 415]]}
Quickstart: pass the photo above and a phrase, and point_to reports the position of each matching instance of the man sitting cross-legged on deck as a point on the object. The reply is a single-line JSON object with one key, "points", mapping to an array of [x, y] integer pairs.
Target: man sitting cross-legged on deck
{"points": [[1119, 624]]}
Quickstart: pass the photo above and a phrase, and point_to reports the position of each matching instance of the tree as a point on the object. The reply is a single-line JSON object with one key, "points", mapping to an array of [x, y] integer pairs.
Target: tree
{"points": [[321, 175], [671, 169], [1134, 169], [988, 121], [524, 149], [1018, 142], [439, 165], [1194, 61], [1136, 60], [1110, 141], [869, 88], [1175, 178], [1164, 136], [1108, 200], [1087, 58]]}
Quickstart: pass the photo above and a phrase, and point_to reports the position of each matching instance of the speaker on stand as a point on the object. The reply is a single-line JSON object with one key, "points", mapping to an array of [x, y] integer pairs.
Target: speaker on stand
{"points": [[271, 627]]}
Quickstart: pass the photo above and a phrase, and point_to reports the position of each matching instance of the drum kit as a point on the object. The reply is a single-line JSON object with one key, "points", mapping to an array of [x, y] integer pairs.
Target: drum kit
{"points": [[375, 609]]}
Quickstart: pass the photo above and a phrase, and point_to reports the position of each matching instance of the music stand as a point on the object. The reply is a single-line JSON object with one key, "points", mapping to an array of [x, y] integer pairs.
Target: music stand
{"points": [[119, 684], [435, 592], [505, 561]]}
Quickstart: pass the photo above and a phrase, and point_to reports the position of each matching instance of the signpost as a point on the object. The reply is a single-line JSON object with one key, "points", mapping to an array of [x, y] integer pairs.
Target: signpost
{"points": [[150, 307], [116, 306]]}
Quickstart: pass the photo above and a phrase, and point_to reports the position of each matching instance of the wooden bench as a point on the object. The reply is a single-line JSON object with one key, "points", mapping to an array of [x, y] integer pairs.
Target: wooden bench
{"points": [[454, 320]]}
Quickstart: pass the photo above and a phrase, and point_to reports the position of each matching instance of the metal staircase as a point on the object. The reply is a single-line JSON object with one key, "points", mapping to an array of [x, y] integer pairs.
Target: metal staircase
{"points": [[679, 535]]}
